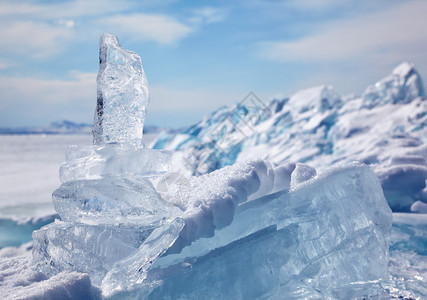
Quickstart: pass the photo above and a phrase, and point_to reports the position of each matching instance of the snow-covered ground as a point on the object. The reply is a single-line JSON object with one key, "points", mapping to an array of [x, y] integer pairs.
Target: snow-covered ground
{"points": [[331, 225], [38, 158]]}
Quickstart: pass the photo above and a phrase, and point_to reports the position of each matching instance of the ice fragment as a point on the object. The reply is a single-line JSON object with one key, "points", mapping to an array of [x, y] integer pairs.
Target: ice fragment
{"points": [[122, 95]]}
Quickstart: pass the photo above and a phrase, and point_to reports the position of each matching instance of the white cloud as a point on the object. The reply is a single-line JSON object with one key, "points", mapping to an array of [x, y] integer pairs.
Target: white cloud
{"points": [[39, 30], [159, 28], [314, 4], [62, 10], [3, 65], [79, 86], [28, 100], [35, 39], [395, 32], [208, 15], [67, 23], [278, 6]]}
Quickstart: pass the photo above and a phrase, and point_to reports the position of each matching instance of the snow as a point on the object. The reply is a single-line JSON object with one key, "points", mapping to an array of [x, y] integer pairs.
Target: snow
{"points": [[384, 127], [20, 280], [29, 173], [302, 173]]}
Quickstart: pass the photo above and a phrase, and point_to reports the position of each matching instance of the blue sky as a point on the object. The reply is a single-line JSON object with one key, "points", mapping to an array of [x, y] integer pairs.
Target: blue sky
{"points": [[199, 55]]}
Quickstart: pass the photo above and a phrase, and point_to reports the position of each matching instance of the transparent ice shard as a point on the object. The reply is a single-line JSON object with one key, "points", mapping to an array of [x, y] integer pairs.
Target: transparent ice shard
{"points": [[95, 162], [130, 273], [122, 95], [336, 230], [317, 239], [248, 268], [92, 249], [112, 201]]}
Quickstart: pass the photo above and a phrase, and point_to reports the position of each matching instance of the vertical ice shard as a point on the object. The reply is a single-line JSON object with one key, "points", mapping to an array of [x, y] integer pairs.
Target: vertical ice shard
{"points": [[122, 95]]}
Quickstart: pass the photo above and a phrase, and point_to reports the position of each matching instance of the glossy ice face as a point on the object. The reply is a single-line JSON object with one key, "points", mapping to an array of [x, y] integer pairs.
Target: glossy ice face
{"points": [[122, 95], [321, 235]]}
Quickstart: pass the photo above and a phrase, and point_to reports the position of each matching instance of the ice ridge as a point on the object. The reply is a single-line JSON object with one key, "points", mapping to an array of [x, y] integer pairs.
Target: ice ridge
{"points": [[384, 127]]}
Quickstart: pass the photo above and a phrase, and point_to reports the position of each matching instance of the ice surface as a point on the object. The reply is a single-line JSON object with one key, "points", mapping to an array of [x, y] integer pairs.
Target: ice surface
{"points": [[15, 233], [336, 221], [96, 162], [92, 249], [122, 95], [309, 243], [111, 201], [406, 277]]}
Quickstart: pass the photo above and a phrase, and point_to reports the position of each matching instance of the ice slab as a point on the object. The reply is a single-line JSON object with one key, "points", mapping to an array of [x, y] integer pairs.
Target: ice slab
{"points": [[315, 241], [85, 248], [406, 278], [96, 162], [319, 98], [122, 95], [112, 201], [329, 231]]}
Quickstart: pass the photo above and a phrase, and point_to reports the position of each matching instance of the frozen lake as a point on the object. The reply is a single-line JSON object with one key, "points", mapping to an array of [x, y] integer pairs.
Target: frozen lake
{"points": [[29, 172], [29, 166]]}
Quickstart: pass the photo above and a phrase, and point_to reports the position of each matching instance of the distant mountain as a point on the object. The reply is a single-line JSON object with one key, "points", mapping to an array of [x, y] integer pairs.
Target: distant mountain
{"points": [[385, 127], [59, 127], [66, 127]]}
